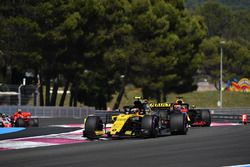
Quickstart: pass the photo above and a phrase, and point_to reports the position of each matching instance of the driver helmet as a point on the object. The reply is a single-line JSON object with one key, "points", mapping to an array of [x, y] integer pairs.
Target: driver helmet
{"points": [[177, 107], [137, 103], [19, 111]]}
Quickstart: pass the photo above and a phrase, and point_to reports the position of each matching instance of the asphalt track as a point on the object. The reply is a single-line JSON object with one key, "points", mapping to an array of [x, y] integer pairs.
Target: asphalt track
{"points": [[212, 146], [45, 128]]}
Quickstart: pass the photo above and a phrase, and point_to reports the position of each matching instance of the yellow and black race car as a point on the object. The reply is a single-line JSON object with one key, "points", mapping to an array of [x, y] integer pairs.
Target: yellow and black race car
{"points": [[135, 122]]}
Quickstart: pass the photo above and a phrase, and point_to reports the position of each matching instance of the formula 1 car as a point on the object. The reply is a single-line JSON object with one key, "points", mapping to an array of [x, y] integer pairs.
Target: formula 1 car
{"points": [[23, 119], [5, 121], [197, 117], [135, 122]]}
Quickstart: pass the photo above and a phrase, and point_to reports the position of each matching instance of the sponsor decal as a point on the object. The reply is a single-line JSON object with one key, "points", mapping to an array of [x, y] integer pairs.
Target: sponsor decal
{"points": [[159, 105]]}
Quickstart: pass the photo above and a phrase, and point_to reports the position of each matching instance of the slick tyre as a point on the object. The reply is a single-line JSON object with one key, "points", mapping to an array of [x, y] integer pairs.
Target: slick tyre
{"points": [[19, 122], [178, 124], [33, 122], [92, 124], [206, 117], [149, 126], [36, 122]]}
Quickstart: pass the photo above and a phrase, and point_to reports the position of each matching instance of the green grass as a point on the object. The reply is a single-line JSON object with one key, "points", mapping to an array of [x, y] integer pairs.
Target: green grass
{"points": [[206, 99], [210, 98], [200, 99]]}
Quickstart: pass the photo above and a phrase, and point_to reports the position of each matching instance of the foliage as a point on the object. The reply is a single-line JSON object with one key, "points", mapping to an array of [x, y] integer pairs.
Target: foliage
{"points": [[95, 48]]}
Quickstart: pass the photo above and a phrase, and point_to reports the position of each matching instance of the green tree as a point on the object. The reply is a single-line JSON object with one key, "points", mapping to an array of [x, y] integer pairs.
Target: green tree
{"points": [[235, 59], [169, 51]]}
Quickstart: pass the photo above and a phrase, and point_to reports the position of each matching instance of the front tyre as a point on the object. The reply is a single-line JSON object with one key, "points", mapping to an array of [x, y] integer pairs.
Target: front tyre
{"points": [[206, 117], [19, 122], [149, 126], [92, 124], [33, 122]]}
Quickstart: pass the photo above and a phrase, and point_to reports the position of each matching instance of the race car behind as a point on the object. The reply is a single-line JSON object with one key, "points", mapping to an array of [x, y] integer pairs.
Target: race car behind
{"points": [[197, 117], [23, 119], [5, 121]]}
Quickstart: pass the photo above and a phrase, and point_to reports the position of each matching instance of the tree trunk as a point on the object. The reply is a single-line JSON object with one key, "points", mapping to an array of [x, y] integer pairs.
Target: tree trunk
{"points": [[158, 96], [164, 98], [75, 98], [102, 103], [41, 94], [119, 98], [147, 93], [71, 99], [47, 96], [64, 93], [54, 93]]}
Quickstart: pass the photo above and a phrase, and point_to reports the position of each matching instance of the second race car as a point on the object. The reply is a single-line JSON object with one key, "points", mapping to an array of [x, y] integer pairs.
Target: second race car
{"points": [[197, 117]]}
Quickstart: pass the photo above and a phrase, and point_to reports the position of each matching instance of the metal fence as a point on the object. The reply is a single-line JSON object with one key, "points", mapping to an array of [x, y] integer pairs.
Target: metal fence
{"points": [[231, 111], [224, 114], [51, 112], [14, 94], [232, 114]]}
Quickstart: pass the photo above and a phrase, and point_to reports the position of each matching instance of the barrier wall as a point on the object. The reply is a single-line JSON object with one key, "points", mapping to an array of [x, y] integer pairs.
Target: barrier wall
{"points": [[51, 112], [83, 112]]}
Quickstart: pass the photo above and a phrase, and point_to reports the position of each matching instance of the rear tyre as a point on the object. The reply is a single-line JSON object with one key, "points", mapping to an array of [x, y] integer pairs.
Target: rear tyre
{"points": [[178, 124], [149, 126], [206, 117], [92, 124], [36, 122], [19, 122], [33, 122]]}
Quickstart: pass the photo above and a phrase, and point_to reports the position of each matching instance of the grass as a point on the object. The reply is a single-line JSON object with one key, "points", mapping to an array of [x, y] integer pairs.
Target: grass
{"points": [[206, 99]]}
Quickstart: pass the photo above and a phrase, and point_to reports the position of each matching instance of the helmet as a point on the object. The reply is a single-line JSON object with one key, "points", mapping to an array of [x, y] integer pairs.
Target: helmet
{"points": [[177, 107], [179, 101], [19, 111], [146, 101]]}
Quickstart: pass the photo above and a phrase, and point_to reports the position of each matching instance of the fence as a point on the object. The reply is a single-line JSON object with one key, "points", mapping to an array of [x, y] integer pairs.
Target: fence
{"points": [[230, 114], [51, 112], [10, 94], [233, 114], [225, 114]]}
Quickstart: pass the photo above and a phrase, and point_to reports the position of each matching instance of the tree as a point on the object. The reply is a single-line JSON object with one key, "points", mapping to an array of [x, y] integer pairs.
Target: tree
{"points": [[169, 50], [18, 40], [234, 55]]}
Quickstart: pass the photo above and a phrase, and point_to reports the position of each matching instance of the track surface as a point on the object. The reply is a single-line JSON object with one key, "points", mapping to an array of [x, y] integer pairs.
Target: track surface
{"points": [[213, 146]]}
